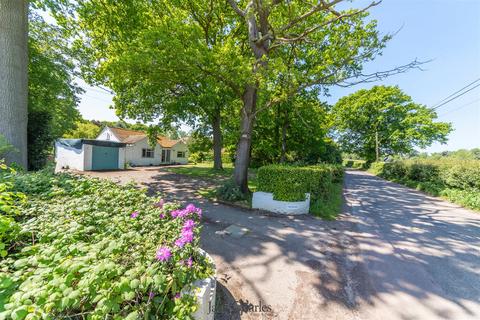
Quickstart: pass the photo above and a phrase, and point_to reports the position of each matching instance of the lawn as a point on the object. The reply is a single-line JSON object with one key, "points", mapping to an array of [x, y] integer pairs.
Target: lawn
{"points": [[204, 170]]}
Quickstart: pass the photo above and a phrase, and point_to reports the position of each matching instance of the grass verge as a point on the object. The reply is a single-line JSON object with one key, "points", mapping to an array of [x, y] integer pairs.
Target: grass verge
{"points": [[330, 205]]}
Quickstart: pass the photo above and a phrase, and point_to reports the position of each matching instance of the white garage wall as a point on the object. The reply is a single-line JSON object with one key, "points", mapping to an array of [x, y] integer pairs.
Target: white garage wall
{"points": [[67, 157], [121, 158], [87, 157]]}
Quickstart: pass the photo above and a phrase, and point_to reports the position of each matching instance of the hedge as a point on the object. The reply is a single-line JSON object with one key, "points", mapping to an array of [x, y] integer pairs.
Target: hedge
{"points": [[355, 164], [290, 183], [457, 180], [90, 249]]}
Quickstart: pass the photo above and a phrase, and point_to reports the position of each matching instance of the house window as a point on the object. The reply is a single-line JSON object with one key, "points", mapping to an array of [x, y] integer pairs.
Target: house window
{"points": [[108, 136], [147, 153], [180, 154]]}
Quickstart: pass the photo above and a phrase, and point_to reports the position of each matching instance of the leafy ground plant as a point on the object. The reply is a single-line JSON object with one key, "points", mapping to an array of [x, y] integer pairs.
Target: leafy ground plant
{"points": [[90, 249]]}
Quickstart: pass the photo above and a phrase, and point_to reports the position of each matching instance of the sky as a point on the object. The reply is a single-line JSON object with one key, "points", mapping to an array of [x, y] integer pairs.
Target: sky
{"points": [[444, 32]]}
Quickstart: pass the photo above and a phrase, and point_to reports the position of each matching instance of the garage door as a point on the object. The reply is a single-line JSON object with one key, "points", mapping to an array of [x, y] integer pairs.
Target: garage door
{"points": [[104, 158]]}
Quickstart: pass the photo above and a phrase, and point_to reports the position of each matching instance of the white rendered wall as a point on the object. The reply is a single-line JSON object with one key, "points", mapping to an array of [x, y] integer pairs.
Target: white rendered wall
{"points": [[87, 157], [264, 201], [103, 135], [67, 157], [179, 147], [121, 158], [133, 154]]}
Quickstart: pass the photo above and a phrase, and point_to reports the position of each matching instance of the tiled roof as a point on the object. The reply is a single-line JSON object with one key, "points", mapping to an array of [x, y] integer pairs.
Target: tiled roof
{"points": [[133, 136]]}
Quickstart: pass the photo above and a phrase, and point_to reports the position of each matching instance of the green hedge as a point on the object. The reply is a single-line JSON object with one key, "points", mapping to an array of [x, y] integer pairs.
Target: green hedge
{"points": [[457, 180], [355, 164], [290, 183]]}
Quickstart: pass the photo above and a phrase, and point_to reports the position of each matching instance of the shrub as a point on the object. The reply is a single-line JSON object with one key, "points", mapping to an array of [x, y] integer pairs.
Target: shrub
{"points": [[9, 211], [92, 249], [290, 183], [355, 164], [229, 191], [458, 181]]}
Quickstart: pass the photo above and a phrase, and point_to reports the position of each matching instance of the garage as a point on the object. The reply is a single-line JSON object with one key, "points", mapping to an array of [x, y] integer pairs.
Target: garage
{"points": [[88, 154]]}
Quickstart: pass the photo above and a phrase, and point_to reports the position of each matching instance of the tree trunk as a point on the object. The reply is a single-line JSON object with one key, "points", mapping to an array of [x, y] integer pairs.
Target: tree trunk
{"points": [[242, 159], [217, 141], [377, 148], [13, 77], [284, 138]]}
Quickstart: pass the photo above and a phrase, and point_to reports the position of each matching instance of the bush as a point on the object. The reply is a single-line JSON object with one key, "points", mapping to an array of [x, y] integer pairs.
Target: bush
{"points": [[458, 181], [355, 164], [92, 249], [290, 183], [9, 211], [229, 191]]}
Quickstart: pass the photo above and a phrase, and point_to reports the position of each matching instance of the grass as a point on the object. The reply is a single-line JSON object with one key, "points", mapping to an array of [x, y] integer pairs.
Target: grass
{"points": [[205, 170], [330, 205]]}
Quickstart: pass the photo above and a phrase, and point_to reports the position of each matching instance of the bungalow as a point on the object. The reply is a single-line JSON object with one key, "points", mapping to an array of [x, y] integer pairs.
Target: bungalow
{"points": [[138, 152]]}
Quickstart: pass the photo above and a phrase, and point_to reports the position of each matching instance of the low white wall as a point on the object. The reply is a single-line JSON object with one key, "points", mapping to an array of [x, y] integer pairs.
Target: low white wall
{"points": [[264, 201], [205, 291], [67, 157]]}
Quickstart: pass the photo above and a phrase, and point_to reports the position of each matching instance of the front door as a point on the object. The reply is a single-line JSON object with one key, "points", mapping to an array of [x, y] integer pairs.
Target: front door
{"points": [[166, 156]]}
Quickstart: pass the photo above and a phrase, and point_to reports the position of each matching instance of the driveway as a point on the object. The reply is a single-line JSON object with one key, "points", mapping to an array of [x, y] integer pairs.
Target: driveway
{"points": [[393, 254]]}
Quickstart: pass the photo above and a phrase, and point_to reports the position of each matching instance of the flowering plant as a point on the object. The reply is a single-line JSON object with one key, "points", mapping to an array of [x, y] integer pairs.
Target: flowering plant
{"points": [[92, 249]]}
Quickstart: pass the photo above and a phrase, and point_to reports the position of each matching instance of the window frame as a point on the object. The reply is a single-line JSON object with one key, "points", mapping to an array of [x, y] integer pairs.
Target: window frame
{"points": [[184, 154], [148, 153]]}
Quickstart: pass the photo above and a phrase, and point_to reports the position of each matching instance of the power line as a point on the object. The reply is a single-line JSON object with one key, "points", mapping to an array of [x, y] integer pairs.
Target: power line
{"points": [[455, 97], [461, 107], [468, 85]]}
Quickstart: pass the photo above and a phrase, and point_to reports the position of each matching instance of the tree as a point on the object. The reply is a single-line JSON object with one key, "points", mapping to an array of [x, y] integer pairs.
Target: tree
{"points": [[51, 72], [385, 121], [83, 129], [153, 61], [13, 75], [298, 45], [264, 52]]}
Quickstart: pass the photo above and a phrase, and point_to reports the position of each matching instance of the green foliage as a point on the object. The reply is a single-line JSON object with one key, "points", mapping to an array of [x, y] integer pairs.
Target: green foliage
{"points": [[52, 92], [355, 164], [328, 205], [80, 252], [9, 202], [83, 129], [301, 126], [290, 183], [229, 191], [5, 147], [458, 181], [40, 138], [400, 123]]}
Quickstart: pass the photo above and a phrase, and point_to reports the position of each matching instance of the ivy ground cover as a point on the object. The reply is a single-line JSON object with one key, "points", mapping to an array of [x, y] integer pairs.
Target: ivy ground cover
{"points": [[90, 249]]}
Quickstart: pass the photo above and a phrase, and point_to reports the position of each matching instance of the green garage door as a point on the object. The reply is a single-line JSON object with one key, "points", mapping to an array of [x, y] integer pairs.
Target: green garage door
{"points": [[104, 158]]}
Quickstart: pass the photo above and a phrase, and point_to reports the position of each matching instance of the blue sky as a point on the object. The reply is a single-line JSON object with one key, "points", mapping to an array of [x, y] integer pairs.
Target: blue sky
{"points": [[444, 31]]}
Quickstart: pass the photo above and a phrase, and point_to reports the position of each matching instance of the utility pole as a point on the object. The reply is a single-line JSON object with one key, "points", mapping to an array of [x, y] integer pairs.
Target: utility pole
{"points": [[377, 150]]}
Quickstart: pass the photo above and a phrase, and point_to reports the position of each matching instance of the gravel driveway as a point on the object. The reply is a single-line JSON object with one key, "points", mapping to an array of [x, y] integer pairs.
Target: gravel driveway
{"points": [[393, 254]]}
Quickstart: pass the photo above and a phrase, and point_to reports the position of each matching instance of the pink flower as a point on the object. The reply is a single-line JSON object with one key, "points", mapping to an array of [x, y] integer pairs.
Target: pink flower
{"points": [[159, 204], [190, 208], [189, 225], [134, 214], [189, 262], [163, 254], [151, 295], [177, 296], [162, 216]]}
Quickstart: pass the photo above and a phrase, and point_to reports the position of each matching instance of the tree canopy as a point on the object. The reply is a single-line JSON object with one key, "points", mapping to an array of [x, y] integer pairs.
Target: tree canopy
{"points": [[384, 121]]}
